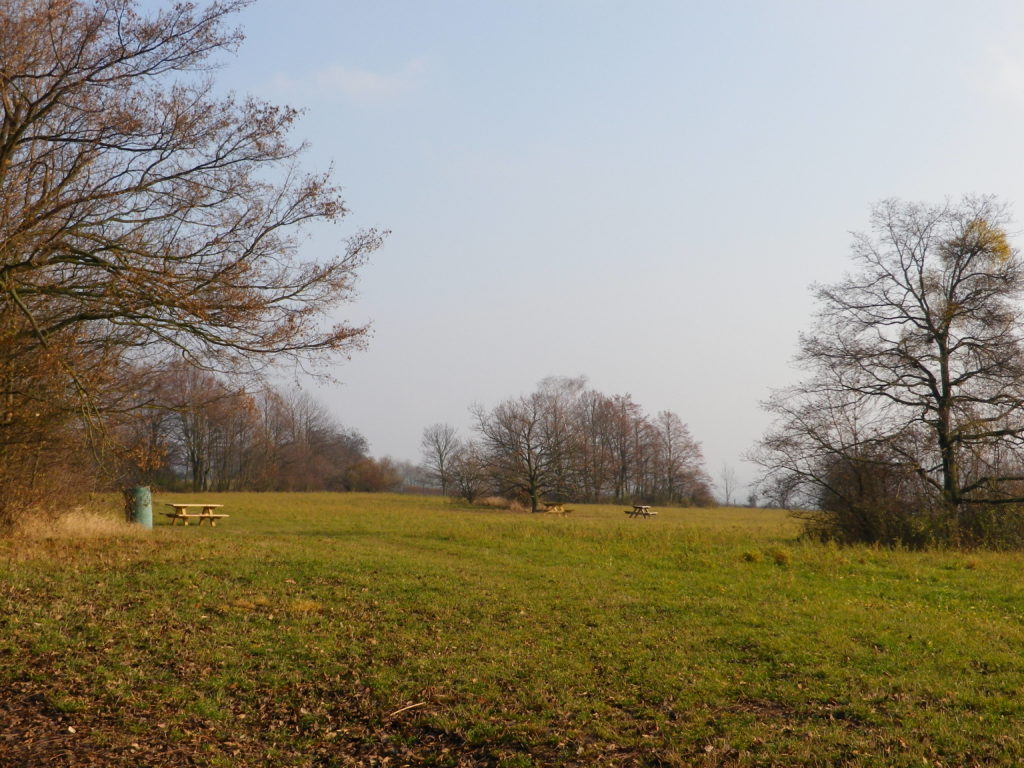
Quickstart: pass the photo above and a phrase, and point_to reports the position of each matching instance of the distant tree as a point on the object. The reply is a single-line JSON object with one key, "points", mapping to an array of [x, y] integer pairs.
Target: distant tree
{"points": [[197, 396], [624, 416], [439, 444], [469, 473], [595, 458], [561, 433], [564, 442], [521, 451], [916, 377], [679, 462], [374, 475], [414, 477], [728, 483], [305, 448]]}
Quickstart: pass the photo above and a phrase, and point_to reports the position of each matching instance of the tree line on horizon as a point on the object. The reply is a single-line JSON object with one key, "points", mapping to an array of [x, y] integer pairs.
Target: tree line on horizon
{"points": [[187, 429], [152, 276], [198, 434], [567, 442]]}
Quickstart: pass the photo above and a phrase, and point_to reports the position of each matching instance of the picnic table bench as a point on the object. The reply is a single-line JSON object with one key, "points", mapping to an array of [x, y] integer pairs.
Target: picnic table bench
{"points": [[641, 510], [181, 512]]}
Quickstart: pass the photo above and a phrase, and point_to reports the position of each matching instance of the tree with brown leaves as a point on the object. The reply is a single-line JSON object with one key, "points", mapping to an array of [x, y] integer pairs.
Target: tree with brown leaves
{"points": [[142, 215]]}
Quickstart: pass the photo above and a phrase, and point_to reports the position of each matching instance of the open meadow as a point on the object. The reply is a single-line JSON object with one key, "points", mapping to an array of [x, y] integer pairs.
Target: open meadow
{"points": [[387, 630]]}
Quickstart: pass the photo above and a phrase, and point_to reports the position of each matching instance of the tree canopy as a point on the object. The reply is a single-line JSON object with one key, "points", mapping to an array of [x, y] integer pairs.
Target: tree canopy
{"points": [[143, 216], [140, 208]]}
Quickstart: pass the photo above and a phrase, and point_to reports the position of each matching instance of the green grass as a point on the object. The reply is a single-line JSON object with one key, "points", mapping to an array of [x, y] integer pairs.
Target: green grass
{"points": [[335, 630]]}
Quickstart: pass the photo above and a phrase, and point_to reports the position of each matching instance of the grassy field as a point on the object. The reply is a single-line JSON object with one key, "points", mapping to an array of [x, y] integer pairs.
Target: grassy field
{"points": [[345, 630]]}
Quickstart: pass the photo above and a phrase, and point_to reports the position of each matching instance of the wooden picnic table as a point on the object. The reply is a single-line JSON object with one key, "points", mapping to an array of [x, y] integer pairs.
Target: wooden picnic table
{"points": [[181, 512], [641, 510]]}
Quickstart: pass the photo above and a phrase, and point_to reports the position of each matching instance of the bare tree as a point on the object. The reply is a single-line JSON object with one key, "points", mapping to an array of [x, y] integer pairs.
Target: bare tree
{"points": [[679, 461], [596, 460], [440, 444], [625, 413], [561, 433], [469, 475], [197, 412], [916, 369], [728, 482], [522, 450]]}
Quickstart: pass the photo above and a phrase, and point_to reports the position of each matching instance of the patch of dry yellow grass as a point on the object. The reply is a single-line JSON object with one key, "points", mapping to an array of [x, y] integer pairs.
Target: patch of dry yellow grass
{"points": [[500, 502], [75, 524], [305, 606]]}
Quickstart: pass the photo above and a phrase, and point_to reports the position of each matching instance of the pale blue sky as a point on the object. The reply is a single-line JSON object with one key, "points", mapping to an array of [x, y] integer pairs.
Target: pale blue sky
{"points": [[637, 192]]}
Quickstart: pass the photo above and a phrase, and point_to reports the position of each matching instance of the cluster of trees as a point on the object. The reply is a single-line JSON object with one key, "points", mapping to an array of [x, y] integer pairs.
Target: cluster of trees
{"points": [[195, 432], [909, 427], [567, 442], [149, 254], [143, 219]]}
